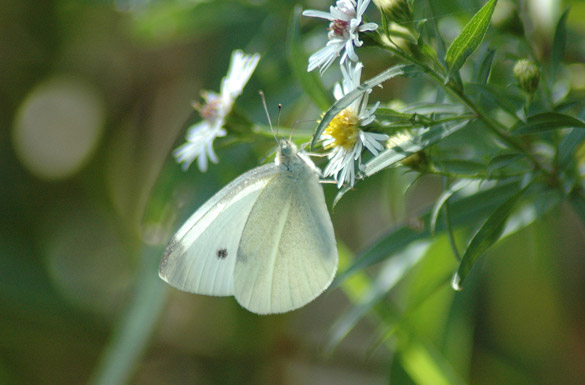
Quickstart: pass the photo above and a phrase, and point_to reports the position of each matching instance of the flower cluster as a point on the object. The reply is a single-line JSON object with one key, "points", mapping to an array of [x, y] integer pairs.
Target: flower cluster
{"points": [[344, 28], [346, 136], [200, 136]]}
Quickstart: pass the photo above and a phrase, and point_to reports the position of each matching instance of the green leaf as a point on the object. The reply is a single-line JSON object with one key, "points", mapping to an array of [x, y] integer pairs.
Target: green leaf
{"points": [[567, 147], [507, 159], [433, 22], [532, 208], [464, 211], [427, 366], [434, 108], [508, 219], [309, 81], [388, 113], [393, 155], [488, 234], [461, 167], [444, 197], [547, 121], [401, 69], [388, 277], [470, 38], [559, 44], [486, 67]]}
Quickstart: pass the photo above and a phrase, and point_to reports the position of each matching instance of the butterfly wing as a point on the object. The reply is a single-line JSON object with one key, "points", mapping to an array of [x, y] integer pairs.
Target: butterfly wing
{"points": [[287, 254], [201, 256]]}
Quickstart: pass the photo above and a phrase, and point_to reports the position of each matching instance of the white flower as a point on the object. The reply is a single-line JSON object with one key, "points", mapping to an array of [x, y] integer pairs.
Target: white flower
{"points": [[201, 135], [344, 135], [344, 28]]}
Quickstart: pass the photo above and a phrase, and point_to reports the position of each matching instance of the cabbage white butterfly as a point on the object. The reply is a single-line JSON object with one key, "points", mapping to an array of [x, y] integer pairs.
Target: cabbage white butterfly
{"points": [[266, 238]]}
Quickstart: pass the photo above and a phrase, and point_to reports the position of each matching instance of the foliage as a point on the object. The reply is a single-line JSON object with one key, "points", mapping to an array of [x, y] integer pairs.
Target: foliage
{"points": [[451, 244]]}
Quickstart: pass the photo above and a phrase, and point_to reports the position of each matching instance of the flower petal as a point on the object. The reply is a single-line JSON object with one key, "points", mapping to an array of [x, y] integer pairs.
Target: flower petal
{"points": [[319, 14], [361, 7], [368, 27], [324, 57], [241, 68]]}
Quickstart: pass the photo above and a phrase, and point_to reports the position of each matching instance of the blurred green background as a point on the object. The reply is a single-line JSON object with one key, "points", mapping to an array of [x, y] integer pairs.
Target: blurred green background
{"points": [[93, 96]]}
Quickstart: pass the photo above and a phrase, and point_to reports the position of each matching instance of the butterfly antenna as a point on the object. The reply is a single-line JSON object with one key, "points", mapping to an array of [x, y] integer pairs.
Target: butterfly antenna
{"points": [[268, 115], [278, 118]]}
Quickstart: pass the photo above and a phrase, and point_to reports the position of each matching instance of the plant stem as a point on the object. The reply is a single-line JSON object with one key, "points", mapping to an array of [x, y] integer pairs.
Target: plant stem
{"points": [[493, 125]]}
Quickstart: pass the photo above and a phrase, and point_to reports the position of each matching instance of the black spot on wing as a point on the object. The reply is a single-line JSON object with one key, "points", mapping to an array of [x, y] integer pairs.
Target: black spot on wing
{"points": [[222, 253]]}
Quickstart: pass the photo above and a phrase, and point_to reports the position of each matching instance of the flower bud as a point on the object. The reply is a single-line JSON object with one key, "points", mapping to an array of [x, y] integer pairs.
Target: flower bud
{"points": [[527, 75], [399, 11], [417, 161]]}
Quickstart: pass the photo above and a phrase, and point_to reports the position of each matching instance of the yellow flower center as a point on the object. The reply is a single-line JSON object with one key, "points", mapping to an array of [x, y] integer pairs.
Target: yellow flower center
{"points": [[343, 129]]}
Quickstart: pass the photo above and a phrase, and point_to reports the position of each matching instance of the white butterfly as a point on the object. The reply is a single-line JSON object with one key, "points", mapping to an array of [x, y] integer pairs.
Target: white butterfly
{"points": [[266, 238]]}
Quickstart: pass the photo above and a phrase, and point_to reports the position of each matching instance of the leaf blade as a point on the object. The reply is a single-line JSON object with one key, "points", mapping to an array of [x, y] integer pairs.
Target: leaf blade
{"points": [[487, 235], [559, 44], [486, 67], [389, 276], [470, 37], [443, 198], [463, 210], [547, 121]]}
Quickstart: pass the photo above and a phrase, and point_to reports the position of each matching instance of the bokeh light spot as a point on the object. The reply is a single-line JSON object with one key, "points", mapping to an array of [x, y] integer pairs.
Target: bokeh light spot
{"points": [[57, 127]]}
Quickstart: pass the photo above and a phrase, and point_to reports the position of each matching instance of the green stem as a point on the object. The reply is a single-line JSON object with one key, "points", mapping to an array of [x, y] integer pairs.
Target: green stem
{"points": [[478, 176], [424, 124], [132, 333], [493, 125]]}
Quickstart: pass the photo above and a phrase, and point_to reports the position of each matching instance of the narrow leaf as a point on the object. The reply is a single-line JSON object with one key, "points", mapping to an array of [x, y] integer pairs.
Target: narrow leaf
{"points": [[470, 38], [487, 235], [503, 161], [463, 210], [547, 121], [309, 81], [461, 167], [391, 72], [389, 276], [395, 154], [531, 209], [426, 366], [559, 44], [434, 108], [486, 67], [567, 147], [340, 194], [433, 21], [443, 198], [388, 113]]}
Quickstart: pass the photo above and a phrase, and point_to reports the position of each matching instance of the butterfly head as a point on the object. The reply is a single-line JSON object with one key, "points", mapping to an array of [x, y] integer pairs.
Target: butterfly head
{"points": [[294, 160], [287, 151]]}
